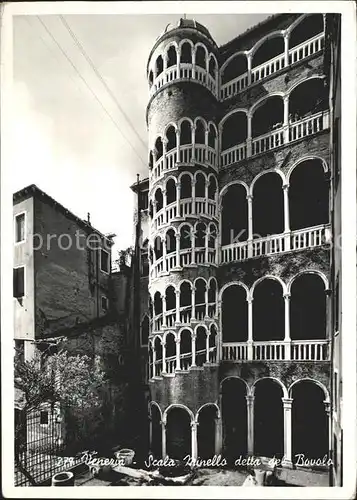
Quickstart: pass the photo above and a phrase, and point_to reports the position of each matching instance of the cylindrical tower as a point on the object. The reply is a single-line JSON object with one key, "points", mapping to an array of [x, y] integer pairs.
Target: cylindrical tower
{"points": [[183, 200]]}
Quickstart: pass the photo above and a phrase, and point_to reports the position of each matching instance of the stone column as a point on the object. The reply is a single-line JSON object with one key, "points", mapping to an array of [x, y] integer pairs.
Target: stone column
{"points": [[286, 120], [163, 358], [193, 247], [207, 347], [286, 217], [287, 405], [249, 135], [178, 199], [193, 349], [206, 304], [178, 353], [193, 302], [193, 142], [163, 438], [193, 184], [250, 224], [163, 299], [250, 329], [177, 293], [286, 50], [178, 145], [164, 147], [178, 264], [153, 360], [164, 263], [194, 440], [250, 424], [206, 145], [206, 197], [249, 61], [287, 339], [328, 413], [218, 436]]}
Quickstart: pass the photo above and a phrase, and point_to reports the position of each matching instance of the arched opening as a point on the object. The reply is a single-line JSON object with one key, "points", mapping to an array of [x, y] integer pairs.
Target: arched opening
{"points": [[200, 299], [200, 239], [308, 308], [234, 314], [212, 67], [170, 352], [309, 27], [234, 215], [185, 237], [212, 339], [237, 66], [268, 116], [268, 419], [308, 195], [200, 186], [268, 205], [308, 98], [170, 191], [201, 336], [171, 56], [234, 417], [158, 352], [186, 53], [200, 57], [145, 330], [186, 349], [185, 303], [212, 298], [151, 77], [159, 201], [156, 440], [158, 248], [206, 431], [158, 148], [234, 130], [212, 137], [157, 304], [150, 308], [170, 241], [186, 187], [170, 296], [171, 138], [185, 133], [200, 132], [151, 160], [269, 49], [268, 311], [309, 420], [178, 433], [212, 188], [151, 209], [159, 65]]}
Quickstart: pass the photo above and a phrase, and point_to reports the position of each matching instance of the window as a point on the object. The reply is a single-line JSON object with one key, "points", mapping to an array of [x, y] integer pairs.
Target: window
{"points": [[20, 228], [44, 417], [143, 200], [104, 261], [104, 303], [19, 282]]}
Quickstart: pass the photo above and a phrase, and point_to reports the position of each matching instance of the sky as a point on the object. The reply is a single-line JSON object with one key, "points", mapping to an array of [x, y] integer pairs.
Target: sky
{"points": [[72, 138]]}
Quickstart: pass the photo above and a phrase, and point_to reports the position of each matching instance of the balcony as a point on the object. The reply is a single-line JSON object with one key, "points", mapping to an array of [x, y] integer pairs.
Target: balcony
{"points": [[295, 350], [184, 316], [270, 245], [268, 68], [184, 72], [184, 154], [305, 127], [182, 363], [188, 207], [175, 261]]}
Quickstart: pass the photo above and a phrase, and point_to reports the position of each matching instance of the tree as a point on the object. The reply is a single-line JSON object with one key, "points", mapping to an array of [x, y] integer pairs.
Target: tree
{"points": [[71, 381], [74, 385]]}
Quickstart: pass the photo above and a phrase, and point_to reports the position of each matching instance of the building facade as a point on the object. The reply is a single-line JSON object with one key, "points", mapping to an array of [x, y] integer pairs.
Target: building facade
{"points": [[240, 242]]}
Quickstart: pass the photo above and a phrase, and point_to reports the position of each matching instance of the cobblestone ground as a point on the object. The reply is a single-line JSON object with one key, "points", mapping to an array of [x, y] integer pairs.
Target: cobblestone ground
{"points": [[286, 477]]}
